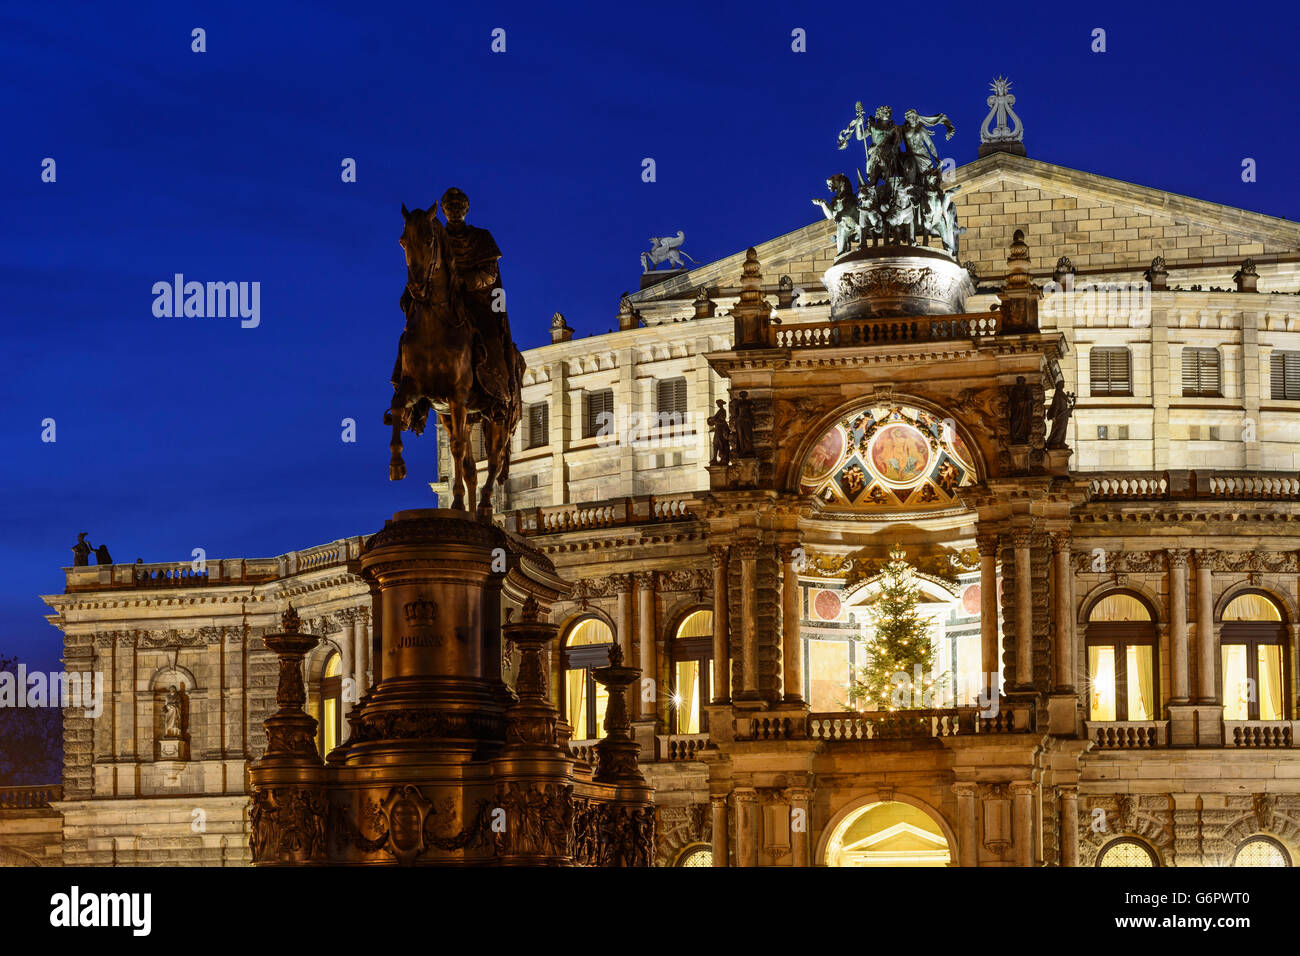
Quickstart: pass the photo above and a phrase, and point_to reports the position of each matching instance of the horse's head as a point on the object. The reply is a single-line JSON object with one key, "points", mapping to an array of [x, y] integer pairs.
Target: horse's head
{"points": [[417, 239]]}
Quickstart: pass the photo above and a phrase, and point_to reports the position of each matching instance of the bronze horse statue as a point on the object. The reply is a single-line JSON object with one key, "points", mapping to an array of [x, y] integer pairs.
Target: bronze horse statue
{"points": [[437, 356]]}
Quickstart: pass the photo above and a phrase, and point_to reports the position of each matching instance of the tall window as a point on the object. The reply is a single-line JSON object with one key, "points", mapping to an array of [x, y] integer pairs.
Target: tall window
{"points": [[1201, 373], [539, 422], [692, 652], [331, 704], [1109, 372], [586, 648], [1256, 673], [1284, 374], [598, 412], [1122, 660]]}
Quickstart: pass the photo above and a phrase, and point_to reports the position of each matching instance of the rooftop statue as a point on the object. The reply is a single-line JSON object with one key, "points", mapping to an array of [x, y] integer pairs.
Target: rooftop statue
{"points": [[1000, 110], [665, 249], [900, 197], [456, 354]]}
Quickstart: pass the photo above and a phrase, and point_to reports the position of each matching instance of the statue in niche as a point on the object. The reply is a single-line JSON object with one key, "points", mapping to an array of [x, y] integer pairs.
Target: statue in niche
{"points": [[721, 435], [742, 425], [1020, 412], [173, 713]]}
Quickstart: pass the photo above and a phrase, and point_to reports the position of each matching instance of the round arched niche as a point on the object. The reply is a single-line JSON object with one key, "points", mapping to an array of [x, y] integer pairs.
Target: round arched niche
{"points": [[887, 457], [922, 826]]}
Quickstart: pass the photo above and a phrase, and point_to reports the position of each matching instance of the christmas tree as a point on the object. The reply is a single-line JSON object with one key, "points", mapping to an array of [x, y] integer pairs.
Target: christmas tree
{"points": [[897, 673]]}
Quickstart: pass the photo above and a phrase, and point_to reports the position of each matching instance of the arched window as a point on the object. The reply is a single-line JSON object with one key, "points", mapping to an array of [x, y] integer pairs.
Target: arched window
{"points": [[1261, 851], [1122, 664], [1256, 672], [692, 651], [331, 704], [700, 854], [586, 648], [1127, 852]]}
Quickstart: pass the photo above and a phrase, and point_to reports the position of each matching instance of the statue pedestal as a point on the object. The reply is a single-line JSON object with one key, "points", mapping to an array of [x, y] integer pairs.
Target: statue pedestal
{"points": [[884, 281], [172, 748]]}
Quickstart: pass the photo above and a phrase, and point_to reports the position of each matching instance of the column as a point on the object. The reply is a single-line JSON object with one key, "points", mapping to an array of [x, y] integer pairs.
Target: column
{"points": [[623, 588], [360, 648], [988, 549], [746, 827], [1207, 690], [1179, 650], [800, 825], [721, 653], [1022, 814], [749, 619], [719, 809], [1069, 825], [968, 848], [1064, 600], [1021, 540], [791, 615], [347, 670], [645, 590]]}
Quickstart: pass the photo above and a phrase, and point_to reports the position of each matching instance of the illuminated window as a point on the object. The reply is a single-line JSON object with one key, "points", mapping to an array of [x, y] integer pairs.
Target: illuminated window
{"points": [[700, 855], [1108, 372], [692, 653], [1256, 672], [331, 695], [586, 648], [829, 672], [1261, 851], [1122, 660], [1127, 853]]}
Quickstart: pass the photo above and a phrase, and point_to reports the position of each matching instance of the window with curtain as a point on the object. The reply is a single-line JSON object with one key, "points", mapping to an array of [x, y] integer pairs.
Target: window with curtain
{"points": [[829, 672], [1256, 672], [331, 704], [1201, 373], [692, 656], [1122, 665], [1109, 372], [1284, 375], [598, 413], [539, 421], [586, 648]]}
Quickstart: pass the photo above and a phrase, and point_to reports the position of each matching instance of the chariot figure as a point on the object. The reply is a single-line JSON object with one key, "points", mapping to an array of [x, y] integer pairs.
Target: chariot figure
{"points": [[920, 146], [843, 211], [665, 249], [880, 137]]}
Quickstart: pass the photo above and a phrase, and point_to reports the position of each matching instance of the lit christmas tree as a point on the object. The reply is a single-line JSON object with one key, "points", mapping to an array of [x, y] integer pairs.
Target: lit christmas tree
{"points": [[897, 673]]}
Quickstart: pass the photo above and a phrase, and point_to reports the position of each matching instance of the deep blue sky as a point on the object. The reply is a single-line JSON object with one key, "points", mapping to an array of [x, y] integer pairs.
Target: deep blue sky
{"points": [[183, 433]]}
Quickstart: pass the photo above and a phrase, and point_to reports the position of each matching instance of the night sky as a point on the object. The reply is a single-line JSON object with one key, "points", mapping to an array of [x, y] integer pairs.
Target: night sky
{"points": [[177, 433]]}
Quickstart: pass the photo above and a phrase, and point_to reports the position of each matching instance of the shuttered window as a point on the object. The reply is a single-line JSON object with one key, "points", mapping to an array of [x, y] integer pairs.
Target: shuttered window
{"points": [[670, 398], [1201, 376], [1109, 372], [539, 422], [1284, 371], [599, 411]]}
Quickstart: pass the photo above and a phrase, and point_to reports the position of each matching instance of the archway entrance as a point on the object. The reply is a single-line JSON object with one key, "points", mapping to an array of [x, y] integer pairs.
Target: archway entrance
{"points": [[888, 833]]}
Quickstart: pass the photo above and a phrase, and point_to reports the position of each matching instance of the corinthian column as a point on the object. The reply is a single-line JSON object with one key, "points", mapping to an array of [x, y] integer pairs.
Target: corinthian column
{"points": [[967, 848], [721, 654], [1022, 813], [749, 619], [992, 667], [1069, 825], [791, 614], [718, 806], [1064, 601], [1021, 540], [347, 652], [645, 589], [623, 588], [1179, 650], [800, 824], [1205, 642], [746, 827]]}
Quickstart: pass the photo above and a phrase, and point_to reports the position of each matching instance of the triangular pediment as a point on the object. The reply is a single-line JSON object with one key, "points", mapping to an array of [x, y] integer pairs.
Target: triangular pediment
{"points": [[1101, 224]]}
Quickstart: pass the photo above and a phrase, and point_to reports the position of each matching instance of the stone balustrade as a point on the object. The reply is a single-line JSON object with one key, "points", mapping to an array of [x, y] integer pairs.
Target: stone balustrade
{"points": [[29, 798], [612, 512], [879, 331], [1128, 734], [1173, 485], [1259, 733], [680, 746]]}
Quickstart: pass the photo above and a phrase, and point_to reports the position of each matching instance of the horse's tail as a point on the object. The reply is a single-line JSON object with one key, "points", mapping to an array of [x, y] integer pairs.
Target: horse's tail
{"points": [[685, 256]]}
